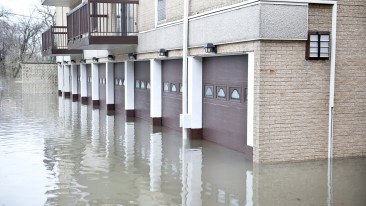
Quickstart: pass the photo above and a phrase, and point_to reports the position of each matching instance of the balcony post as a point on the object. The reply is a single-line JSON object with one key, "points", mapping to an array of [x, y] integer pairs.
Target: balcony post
{"points": [[156, 94], [83, 84], [130, 88], [95, 85], [110, 86], [66, 78], [74, 84]]}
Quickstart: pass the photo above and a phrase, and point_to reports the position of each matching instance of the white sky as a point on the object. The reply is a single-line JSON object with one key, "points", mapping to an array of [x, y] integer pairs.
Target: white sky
{"points": [[22, 7]]}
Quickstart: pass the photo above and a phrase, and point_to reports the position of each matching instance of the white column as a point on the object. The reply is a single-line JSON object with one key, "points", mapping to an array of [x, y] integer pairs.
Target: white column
{"points": [[155, 91], [250, 99], [156, 156], [74, 81], [83, 83], [110, 83], [95, 82], [129, 85], [60, 78], [195, 91], [66, 77]]}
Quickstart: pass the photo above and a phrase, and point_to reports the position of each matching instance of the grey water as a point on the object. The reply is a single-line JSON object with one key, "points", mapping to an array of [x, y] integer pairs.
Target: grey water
{"points": [[57, 152]]}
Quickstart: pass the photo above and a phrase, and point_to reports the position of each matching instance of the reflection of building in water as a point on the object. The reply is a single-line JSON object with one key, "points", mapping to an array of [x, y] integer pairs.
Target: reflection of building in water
{"points": [[156, 156], [129, 144]]}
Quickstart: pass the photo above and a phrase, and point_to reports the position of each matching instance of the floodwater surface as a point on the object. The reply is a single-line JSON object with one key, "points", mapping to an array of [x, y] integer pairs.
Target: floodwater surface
{"points": [[57, 152]]}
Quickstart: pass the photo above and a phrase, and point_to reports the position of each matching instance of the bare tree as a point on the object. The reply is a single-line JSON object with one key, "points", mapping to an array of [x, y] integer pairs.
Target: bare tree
{"points": [[20, 41]]}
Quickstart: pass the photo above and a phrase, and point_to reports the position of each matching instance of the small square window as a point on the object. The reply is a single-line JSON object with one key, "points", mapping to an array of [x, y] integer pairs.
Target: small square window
{"points": [[209, 91], [174, 87], [166, 87], [317, 46], [221, 92], [235, 93]]}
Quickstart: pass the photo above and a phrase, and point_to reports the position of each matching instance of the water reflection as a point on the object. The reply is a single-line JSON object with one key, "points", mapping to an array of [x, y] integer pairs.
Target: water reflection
{"points": [[57, 152]]}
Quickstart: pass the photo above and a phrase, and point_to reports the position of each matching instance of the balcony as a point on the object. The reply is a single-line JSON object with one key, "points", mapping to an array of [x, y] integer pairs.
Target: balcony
{"points": [[54, 42], [103, 24], [63, 3]]}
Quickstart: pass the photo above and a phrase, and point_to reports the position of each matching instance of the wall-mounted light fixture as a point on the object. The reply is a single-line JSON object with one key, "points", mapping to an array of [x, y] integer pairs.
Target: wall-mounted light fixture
{"points": [[83, 61], [163, 53], [65, 62], [111, 57], [59, 63], [132, 56], [73, 61], [95, 59], [210, 48]]}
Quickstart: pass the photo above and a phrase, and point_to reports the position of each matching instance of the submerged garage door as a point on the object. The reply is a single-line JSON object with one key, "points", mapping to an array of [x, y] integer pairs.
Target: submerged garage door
{"points": [[172, 96], [119, 87], [89, 86], [142, 90], [102, 86], [225, 81]]}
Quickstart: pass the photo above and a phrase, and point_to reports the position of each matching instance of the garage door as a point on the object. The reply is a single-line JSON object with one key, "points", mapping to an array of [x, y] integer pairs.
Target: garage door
{"points": [[119, 87], [172, 96], [142, 90], [89, 85], [225, 83], [102, 86]]}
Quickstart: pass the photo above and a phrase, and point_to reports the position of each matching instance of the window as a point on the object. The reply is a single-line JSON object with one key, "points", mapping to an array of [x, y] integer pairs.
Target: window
{"points": [[174, 88], [142, 85], [161, 10], [147, 85], [221, 92], [235, 93], [180, 88], [116, 82], [208, 91], [123, 82], [317, 46], [137, 84], [166, 87]]}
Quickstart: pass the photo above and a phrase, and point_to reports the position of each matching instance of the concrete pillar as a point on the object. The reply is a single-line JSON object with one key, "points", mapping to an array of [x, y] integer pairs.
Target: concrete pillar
{"points": [[95, 85], [250, 105], [130, 89], [66, 76], [156, 92], [60, 79], [193, 121], [74, 82], [110, 86], [156, 155], [83, 84]]}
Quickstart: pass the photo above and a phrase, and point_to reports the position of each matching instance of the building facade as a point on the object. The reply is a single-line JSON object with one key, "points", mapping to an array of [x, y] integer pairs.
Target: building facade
{"points": [[275, 80]]}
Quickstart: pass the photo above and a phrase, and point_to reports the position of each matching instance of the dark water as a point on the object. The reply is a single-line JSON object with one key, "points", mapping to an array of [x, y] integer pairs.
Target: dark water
{"points": [[57, 152]]}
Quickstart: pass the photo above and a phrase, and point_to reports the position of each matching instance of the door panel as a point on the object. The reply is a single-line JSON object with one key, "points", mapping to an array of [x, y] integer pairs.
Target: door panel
{"points": [[142, 92]]}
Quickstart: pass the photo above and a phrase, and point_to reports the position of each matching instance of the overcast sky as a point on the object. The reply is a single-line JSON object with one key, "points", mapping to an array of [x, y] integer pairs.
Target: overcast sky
{"points": [[22, 7]]}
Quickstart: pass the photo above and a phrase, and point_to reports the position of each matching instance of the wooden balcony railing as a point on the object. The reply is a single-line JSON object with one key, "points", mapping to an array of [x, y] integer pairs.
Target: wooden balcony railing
{"points": [[54, 42], [91, 22]]}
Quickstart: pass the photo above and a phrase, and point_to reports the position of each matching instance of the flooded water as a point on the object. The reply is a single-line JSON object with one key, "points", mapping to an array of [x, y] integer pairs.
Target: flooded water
{"points": [[57, 152]]}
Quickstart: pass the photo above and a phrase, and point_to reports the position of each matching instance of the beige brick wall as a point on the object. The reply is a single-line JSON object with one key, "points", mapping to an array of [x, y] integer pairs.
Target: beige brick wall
{"points": [[146, 15], [292, 98], [199, 6], [350, 89]]}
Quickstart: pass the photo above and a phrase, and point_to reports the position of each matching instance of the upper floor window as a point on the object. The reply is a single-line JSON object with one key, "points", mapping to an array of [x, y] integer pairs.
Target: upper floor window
{"points": [[317, 46], [161, 10]]}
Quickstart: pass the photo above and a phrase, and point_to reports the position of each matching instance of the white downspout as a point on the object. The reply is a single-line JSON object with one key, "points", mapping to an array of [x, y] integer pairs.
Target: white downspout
{"points": [[332, 79], [185, 64]]}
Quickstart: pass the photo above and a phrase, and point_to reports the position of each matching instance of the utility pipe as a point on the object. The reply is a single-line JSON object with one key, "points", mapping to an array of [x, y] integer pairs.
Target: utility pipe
{"points": [[185, 64]]}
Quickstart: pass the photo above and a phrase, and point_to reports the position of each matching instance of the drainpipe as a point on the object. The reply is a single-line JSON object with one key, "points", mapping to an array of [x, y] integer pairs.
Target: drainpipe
{"points": [[185, 63], [332, 79]]}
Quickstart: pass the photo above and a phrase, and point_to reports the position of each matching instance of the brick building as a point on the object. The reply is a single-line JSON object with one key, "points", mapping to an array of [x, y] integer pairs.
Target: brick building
{"points": [[275, 80]]}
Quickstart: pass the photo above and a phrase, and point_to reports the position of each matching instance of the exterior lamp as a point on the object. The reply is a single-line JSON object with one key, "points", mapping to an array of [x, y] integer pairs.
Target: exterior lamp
{"points": [[83, 61], [111, 57], [95, 59], [163, 53], [65, 62], [131, 56], [59, 63], [73, 61], [210, 48]]}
